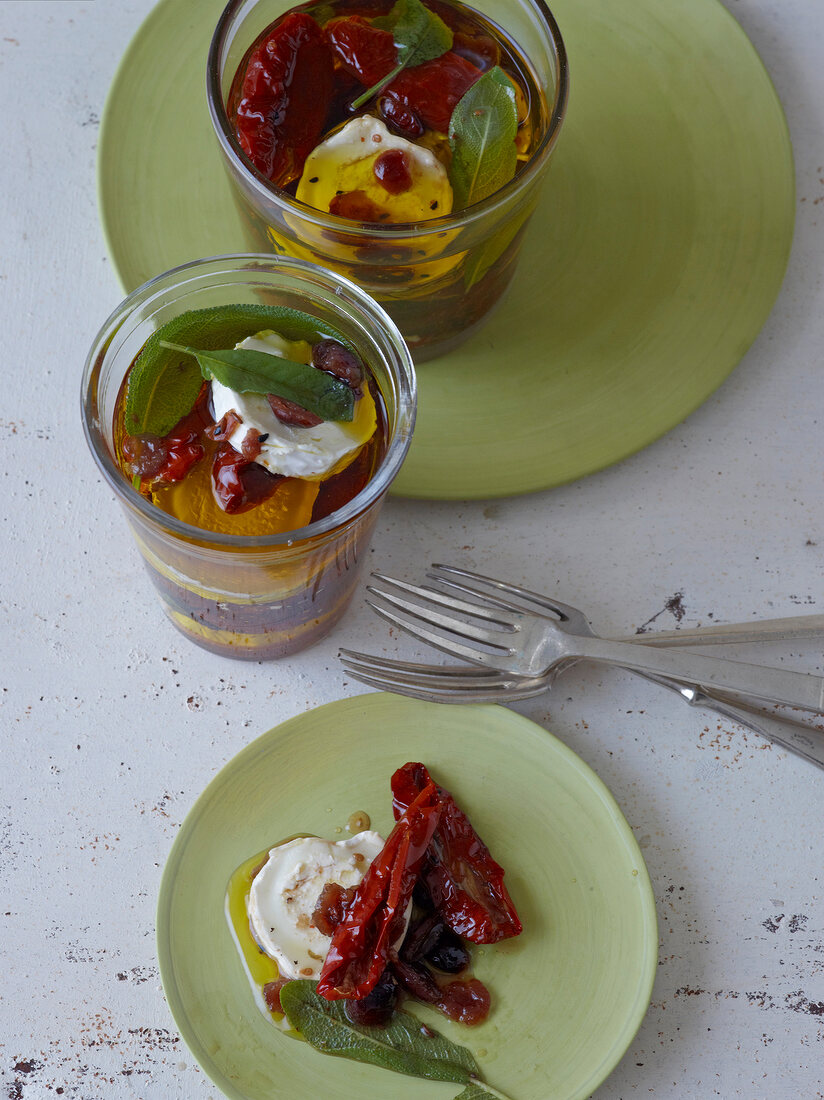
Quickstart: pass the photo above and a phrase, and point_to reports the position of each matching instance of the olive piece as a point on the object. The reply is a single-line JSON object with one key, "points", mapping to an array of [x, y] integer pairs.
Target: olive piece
{"points": [[331, 356], [449, 953], [376, 1008]]}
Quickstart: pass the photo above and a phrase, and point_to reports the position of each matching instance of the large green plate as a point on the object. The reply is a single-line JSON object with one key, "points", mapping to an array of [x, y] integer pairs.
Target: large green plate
{"points": [[568, 994], [652, 262]]}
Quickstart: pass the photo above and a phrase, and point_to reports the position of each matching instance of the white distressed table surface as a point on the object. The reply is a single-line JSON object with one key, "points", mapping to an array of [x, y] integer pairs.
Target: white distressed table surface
{"points": [[112, 724]]}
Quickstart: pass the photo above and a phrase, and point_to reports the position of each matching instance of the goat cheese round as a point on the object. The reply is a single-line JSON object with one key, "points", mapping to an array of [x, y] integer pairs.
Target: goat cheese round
{"points": [[345, 163], [309, 453], [286, 889]]}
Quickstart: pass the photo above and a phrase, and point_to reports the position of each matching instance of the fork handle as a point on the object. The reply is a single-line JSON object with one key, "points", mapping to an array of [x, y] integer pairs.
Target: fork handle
{"points": [[795, 628], [775, 685], [795, 736]]}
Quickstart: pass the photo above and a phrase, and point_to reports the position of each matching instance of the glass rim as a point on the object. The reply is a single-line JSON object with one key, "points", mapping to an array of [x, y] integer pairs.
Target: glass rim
{"points": [[266, 189], [400, 438]]}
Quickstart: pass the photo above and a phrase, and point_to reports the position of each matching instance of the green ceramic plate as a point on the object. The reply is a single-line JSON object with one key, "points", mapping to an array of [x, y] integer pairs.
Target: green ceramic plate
{"points": [[569, 993], [652, 262]]}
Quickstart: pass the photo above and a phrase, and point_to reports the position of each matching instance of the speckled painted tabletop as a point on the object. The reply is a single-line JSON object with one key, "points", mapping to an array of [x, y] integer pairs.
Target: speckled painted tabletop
{"points": [[112, 724]]}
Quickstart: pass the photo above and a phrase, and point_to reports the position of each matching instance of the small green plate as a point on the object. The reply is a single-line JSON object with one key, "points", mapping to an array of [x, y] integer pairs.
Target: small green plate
{"points": [[568, 994], [652, 262]]}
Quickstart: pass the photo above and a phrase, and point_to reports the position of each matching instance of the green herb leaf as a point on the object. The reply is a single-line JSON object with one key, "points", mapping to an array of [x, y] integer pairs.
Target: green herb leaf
{"points": [[481, 258], [163, 385], [246, 371], [482, 134], [420, 36], [404, 1046]]}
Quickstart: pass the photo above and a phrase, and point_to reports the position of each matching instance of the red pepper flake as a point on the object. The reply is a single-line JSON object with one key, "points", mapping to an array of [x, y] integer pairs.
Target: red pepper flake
{"points": [[464, 881], [363, 941]]}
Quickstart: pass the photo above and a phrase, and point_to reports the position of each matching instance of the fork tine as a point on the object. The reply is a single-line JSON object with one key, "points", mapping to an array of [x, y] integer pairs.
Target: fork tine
{"points": [[487, 597], [453, 626], [436, 694], [446, 677], [405, 689], [433, 596], [450, 645], [564, 609]]}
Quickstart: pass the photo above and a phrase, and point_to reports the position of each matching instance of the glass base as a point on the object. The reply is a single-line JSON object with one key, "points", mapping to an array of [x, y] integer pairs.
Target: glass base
{"points": [[268, 646]]}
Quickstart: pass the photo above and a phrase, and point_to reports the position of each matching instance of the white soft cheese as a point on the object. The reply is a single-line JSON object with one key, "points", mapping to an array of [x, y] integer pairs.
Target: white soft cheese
{"points": [[285, 891], [345, 162], [291, 451]]}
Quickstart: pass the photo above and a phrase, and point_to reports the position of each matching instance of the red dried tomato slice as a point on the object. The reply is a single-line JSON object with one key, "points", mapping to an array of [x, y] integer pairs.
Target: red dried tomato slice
{"points": [[239, 484], [363, 51], [432, 89], [358, 206], [464, 1000], [464, 881], [426, 92], [284, 97], [183, 452], [362, 942], [169, 459]]}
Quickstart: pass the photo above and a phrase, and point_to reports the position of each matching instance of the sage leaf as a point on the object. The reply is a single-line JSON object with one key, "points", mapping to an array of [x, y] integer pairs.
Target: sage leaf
{"points": [[482, 134], [163, 387], [405, 1046], [420, 35], [481, 259], [246, 371]]}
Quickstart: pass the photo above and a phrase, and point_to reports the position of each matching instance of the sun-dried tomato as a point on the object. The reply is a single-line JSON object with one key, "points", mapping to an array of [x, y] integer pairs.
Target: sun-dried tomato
{"points": [[422, 95], [183, 451], [168, 459], [252, 444], [239, 484], [285, 93], [431, 90], [271, 994], [362, 942], [465, 1000], [362, 50], [464, 881], [358, 206], [331, 906]]}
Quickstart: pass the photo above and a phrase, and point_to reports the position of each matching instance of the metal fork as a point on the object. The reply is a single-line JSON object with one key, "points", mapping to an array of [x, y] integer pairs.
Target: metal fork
{"points": [[499, 634], [451, 684]]}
